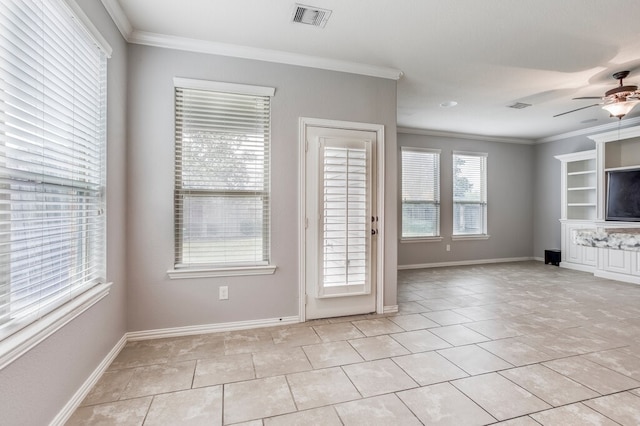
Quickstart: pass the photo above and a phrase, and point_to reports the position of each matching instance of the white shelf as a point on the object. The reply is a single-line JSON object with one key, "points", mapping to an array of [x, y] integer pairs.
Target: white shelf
{"points": [[582, 188], [581, 204], [612, 169], [583, 172]]}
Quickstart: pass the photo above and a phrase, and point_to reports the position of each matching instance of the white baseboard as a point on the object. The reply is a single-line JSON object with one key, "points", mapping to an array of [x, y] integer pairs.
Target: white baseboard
{"points": [[578, 267], [392, 309], [539, 259], [616, 276], [209, 328], [75, 401], [464, 263]]}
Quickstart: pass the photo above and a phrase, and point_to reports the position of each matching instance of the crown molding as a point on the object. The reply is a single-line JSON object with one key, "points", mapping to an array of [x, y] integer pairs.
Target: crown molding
{"points": [[114, 9], [614, 125], [267, 55], [439, 133]]}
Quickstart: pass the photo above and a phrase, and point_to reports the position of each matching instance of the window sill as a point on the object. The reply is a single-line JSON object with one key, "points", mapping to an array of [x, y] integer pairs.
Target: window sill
{"points": [[421, 240], [237, 271], [16, 345], [469, 237]]}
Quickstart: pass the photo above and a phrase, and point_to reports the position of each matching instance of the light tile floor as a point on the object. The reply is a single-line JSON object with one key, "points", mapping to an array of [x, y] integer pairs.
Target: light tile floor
{"points": [[518, 343]]}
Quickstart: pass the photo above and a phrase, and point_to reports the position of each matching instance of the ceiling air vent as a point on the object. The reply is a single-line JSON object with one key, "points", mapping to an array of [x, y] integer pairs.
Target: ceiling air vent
{"points": [[311, 15], [519, 105]]}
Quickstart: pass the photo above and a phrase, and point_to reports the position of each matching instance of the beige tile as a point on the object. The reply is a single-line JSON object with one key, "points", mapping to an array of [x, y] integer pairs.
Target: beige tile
{"points": [[160, 378], [437, 303], [198, 347], [280, 361], [325, 416], [338, 331], [295, 336], [592, 375], [546, 384], [446, 317], [574, 414], [458, 335], [378, 377], [443, 404], [377, 327], [223, 369], [249, 423], [317, 388], [411, 308], [499, 396], [477, 313], [420, 341], [371, 348], [109, 388], [623, 408], [428, 368], [413, 322], [255, 399], [377, 411], [494, 329], [144, 352], [331, 354], [189, 407], [121, 413], [520, 421], [247, 341], [617, 360], [515, 352], [474, 360]]}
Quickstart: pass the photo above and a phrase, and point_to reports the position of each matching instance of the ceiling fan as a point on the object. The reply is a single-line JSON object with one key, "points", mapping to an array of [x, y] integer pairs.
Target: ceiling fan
{"points": [[618, 101]]}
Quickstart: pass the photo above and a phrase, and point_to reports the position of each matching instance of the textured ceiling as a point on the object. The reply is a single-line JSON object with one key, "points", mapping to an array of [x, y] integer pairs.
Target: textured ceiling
{"points": [[485, 54]]}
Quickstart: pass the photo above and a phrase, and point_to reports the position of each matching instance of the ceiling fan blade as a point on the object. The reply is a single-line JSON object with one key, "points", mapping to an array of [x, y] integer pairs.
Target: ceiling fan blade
{"points": [[587, 97], [577, 109]]}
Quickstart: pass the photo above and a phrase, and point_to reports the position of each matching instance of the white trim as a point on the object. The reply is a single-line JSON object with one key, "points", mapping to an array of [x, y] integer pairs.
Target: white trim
{"points": [[633, 279], [118, 17], [590, 130], [209, 328], [67, 411], [615, 135], [404, 240], [471, 153], [578, 267], [468, 136], [470, 237], [538, 259], [178, 274], [218, 86], [254, 53], [392, 309], [27, 338], [89, 27], [420, 149], [303, 123], [464, 263]]}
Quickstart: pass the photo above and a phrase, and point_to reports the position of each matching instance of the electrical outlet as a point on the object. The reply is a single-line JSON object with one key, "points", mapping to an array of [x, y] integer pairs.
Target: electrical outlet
{"points": [[448, 247], [223, 292]]}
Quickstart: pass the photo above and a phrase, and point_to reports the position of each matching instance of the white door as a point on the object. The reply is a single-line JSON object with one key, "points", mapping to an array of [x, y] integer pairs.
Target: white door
{"points": [[340, 222]]}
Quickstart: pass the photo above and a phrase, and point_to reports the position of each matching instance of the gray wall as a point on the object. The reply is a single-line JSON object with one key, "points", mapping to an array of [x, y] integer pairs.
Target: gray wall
{"points": [[547, 191], [153, 300], [35, 387], [509, 218]]}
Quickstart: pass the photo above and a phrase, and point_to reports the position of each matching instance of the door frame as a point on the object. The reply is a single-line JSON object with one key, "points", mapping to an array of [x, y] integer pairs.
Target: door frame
{"points": [[304, 123]]}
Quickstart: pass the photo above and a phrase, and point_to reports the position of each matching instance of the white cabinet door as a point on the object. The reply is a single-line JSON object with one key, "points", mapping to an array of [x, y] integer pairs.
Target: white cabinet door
{"points": [[573, 251], [590, 256], [617, 261], [635, 263]]}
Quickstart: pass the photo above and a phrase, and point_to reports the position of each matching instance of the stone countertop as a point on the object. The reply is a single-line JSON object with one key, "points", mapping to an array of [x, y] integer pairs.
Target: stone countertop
{"points": [[619, 239]]}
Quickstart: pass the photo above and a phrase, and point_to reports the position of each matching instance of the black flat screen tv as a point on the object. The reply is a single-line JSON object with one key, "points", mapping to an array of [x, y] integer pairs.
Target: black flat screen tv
{"points": [[623, 195]]}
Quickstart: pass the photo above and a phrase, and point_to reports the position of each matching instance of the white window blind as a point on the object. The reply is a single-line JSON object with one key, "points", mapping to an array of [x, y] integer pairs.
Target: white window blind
{"points": [[221, 176], [469, 193], [420, 192], [52, 160]]}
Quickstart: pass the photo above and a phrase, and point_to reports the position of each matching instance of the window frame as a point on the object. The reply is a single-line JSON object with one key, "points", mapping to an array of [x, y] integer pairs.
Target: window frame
{"points": [[182, 271], [483, 203], [437, 202], [22, 333]]}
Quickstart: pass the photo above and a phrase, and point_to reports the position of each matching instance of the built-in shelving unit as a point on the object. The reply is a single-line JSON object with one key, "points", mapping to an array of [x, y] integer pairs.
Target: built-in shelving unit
{"points": [[579, 185]]}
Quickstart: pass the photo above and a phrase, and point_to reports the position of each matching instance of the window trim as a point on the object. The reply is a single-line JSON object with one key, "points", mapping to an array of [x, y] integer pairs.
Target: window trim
{"points": [[438, 203], [484, 235], [212, 271]]}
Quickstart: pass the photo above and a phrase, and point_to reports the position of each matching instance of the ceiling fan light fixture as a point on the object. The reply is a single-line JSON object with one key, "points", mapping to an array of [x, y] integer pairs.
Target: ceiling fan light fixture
{"points": [[620, 109]]}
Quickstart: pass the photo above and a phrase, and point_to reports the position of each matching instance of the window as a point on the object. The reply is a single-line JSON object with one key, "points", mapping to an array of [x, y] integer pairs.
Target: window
{"points": [[420, 193], [469, 193], [52, 160], [221, 175]]}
